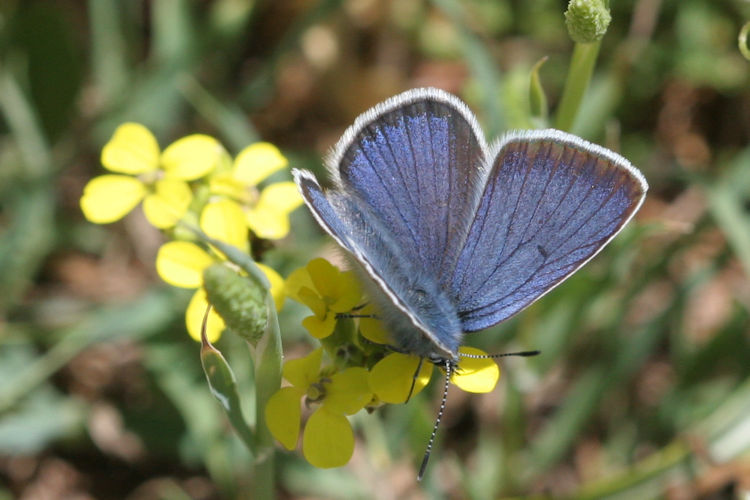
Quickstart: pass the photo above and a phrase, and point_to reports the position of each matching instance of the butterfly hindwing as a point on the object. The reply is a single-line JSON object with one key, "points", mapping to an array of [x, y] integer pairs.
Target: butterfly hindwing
{"points": [[551, 202], [456, 238]]}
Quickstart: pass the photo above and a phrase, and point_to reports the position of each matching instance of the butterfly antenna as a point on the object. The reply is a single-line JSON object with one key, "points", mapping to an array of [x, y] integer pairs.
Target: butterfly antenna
{"points": [[524, 354], [427, 452]]}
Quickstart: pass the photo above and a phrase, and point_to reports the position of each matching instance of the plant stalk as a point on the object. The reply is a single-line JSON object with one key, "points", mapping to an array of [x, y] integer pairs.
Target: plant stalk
{"points": [[579, 75], [268, 357]]}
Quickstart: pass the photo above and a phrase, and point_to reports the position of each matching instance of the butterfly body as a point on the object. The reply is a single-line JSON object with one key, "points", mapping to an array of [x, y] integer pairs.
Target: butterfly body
{"points": [[457, 235]]}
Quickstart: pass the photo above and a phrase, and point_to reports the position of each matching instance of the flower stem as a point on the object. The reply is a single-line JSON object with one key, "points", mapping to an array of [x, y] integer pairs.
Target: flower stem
{"points": [[267, 381], [579, 75]]}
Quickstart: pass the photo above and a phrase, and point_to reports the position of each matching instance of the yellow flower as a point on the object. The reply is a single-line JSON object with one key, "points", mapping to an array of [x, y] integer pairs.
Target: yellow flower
{"points": [[371, 327], [224, 220], [328, 439], [266, 212], [475, 375], [393, 377], [181, 264], [143, 173], [327, 291]]}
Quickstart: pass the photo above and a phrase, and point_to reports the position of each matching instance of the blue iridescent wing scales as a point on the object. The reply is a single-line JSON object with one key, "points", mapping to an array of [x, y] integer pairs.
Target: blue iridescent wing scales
{"points": [[417, 162], [551, 202], [456, 238], [421, 305]]}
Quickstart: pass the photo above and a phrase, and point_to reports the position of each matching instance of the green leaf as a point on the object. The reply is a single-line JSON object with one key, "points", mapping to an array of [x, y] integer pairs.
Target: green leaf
{"points": [[54, 66], [742, 41], [727, 204], [134, 320], [230, 120], [45, 416], [223, 385], [537, 97]]}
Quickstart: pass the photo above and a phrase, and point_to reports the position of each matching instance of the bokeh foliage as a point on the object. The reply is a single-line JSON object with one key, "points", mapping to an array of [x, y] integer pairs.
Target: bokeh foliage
{"points": [[643, 385]]}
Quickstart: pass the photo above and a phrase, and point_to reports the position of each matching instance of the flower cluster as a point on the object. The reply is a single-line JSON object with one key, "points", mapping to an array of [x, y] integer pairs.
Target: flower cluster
{"points": [[347, 374], [196, 182]]}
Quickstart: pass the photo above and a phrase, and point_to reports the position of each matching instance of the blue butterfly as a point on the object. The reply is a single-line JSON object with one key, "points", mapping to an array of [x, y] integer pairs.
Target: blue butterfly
{"points": [[457, 235]]}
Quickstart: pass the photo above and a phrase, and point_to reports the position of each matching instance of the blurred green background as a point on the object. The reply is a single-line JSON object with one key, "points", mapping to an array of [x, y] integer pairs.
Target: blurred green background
{"points": [[643, 386]]}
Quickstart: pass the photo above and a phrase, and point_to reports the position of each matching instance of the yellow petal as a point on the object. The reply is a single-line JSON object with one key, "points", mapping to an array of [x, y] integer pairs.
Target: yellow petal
{"points": [[320, 328], [223, 184], [194, 313], [339, 289], [324, 276], [131, 150], [392, 377], [348, 292], [372, 328], [192, 157], [303, 371], [475, 375], [267, 224], [108, 198], [258, 161], [277, 285], [348, 392], [181, 263], [283, 416], [168, 203], [224, 220], [296, 281], [282, 197], [328, 440], [312, 300]]}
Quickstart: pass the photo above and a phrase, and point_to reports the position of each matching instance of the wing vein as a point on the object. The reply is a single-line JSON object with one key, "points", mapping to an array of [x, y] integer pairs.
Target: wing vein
{"points": [[390, 195]]}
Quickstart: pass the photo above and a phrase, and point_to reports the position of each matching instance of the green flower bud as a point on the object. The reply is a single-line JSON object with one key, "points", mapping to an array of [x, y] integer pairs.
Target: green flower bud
{"points": [[240, 301], [587, 20]]}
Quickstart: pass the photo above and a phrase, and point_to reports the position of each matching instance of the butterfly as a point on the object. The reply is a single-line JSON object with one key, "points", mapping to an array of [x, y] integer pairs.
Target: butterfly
{"points": [[456, 235]]}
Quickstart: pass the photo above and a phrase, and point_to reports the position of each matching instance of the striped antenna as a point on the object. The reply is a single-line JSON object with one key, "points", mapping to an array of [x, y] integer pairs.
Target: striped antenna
{"points": [[524, 354], [427, 452], [448, 369]]}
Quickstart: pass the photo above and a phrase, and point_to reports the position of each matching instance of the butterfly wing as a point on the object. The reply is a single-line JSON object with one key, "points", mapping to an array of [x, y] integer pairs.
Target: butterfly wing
{"points": [[416, 162], [419, 302], [406, 178], [551, 202]]}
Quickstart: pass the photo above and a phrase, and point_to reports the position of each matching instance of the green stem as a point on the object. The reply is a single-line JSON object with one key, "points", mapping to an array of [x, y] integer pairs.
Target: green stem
{"points": [[109, 66], [722, 437], [579, 75], [267, 380]]}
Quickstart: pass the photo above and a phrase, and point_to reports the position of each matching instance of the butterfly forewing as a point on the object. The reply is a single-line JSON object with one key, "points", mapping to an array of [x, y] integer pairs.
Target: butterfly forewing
{"points": [[458, 239], [551, 202], [417, 162]]}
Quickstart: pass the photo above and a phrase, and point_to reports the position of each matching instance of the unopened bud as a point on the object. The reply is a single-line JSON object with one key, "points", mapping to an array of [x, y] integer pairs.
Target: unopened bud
{"points": [[587, 20], [240, 301]]}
